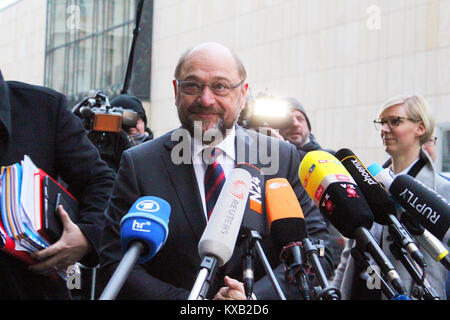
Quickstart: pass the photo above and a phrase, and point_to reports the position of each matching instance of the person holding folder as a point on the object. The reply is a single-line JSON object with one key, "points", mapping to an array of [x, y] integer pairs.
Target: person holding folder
{"points": [[36, 121]]}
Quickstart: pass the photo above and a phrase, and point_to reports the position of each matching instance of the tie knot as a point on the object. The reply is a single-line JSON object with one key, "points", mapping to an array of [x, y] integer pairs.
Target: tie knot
{"points": [[210, 155]]}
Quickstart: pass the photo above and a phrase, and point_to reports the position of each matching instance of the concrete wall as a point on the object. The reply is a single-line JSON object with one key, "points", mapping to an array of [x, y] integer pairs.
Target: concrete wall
{"points": [[341, 58], [22, 41]]}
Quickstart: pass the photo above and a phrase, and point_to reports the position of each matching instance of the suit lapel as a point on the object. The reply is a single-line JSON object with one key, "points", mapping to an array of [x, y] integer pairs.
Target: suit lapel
{"points": [[182, 177], [242, 145]]}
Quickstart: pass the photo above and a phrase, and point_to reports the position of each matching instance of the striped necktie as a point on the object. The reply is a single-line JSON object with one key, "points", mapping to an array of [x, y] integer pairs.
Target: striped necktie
{"points": [[214, 181]]}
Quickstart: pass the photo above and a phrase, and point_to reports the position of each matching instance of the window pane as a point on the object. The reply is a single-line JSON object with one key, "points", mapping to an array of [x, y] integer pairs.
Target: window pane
{"points": [[88, 44], [56, 75], [446, 151]]}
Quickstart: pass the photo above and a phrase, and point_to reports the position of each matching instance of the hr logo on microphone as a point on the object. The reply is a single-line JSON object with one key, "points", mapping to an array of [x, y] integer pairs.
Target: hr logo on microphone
{"points": [[140, 226]]}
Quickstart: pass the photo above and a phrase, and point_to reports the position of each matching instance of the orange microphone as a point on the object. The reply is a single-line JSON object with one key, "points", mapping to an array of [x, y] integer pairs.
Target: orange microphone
{"points": [[284, 214], [288, 230]]}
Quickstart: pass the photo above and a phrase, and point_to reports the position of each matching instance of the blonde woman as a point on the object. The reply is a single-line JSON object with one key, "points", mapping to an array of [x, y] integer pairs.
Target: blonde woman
{"points": [[405, 123]]}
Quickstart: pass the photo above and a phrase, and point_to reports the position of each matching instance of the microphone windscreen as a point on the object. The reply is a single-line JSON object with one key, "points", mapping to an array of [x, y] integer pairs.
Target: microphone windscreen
{"points": [[219, 238], [334, 192], [146, 221], [431, 208], [378, 200], [285, 216], [320, 168], [255, 213]]}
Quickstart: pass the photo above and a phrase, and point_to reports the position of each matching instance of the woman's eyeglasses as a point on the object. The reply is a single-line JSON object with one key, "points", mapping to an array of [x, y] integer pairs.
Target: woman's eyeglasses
{"points": [[392, 122]]}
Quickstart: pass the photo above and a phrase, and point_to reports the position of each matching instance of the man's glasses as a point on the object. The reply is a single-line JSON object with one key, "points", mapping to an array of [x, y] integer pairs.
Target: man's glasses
{"points": [[393, 122], [195, 88]]}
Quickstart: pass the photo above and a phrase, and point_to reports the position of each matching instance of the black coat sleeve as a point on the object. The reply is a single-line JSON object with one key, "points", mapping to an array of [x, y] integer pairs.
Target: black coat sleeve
{"points": [[89, 179]]}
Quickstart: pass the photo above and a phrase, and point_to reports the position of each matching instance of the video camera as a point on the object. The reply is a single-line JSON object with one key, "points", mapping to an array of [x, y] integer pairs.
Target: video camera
{"points": [[266, 111], [99, 116], [105, 126]]}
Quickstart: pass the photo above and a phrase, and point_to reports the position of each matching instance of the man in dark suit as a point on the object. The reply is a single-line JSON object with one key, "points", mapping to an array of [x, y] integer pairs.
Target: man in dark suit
{"points": [[35, 121], [210, 92]]}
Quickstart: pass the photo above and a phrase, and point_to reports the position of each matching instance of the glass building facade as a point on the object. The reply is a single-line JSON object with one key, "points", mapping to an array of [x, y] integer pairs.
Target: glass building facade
{"points": [[88, 46]]}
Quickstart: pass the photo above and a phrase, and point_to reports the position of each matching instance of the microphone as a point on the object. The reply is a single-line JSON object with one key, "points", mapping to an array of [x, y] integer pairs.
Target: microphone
{"points": [[253, 224], [432, 209], [254, 217], [339, 198], [217, 243], [287, 228], [289, 234], [143, 232], [381, 205], [426, 239]]}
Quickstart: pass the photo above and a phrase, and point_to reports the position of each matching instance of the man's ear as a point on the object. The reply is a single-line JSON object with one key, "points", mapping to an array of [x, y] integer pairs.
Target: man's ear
{"points": [[244, 91]]}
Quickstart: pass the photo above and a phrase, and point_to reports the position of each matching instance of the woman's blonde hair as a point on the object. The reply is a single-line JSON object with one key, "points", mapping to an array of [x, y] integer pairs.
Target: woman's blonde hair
{"points": [[417, 108]]}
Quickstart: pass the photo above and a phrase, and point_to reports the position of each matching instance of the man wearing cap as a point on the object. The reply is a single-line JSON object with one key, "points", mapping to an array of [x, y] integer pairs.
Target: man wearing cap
{"points": [[299, 133], [140, 133]]}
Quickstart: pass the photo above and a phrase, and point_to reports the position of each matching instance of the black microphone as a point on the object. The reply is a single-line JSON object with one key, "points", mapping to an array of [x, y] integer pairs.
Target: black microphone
{"points": [[429, 201], [253, 226], [431, 208], [339, 198], [381, 205]]}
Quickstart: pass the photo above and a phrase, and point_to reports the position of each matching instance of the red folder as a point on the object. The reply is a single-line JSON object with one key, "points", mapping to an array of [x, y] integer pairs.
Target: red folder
{"points": [[9, 247], [38, 206]]}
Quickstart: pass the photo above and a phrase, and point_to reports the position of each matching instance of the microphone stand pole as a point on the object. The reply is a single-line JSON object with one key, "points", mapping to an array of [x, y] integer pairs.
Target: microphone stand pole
{"points": [[205, 276], [402, 255], [248, 256], [255, 238], [312, 253], [362, 261], [295, 272], [122, 271], [136, 31]]}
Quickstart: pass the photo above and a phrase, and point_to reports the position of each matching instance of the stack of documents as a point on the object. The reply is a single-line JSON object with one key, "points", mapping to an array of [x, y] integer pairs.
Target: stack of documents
{"points": [[29, 221]]}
